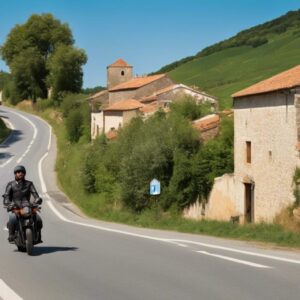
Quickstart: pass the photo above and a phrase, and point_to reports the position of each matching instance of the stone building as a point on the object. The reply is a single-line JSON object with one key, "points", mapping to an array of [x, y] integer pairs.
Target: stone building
{"points": [[120, 113], [154, 92], [266, 152]]}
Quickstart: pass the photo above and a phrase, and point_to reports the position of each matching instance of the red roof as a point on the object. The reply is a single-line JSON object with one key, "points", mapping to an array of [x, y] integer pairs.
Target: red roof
{"points": [[149, 108], [207, 122], [136, 82], [129, 104], [284, 80], [120, 63]]}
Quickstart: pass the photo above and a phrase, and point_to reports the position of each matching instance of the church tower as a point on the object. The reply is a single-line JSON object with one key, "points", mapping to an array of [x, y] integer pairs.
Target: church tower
{"points": [[118, 72]]}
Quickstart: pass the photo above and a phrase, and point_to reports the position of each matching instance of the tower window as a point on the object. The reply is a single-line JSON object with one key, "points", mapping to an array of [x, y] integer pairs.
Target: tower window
{"points": [[248, 152], [122, 73]]}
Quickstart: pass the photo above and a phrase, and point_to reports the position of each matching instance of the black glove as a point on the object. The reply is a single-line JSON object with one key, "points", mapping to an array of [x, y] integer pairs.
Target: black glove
{"points": [[10, 206], [38, 201]]}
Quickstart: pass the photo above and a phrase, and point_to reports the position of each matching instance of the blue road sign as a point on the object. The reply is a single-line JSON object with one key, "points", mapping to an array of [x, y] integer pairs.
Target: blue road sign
{"points": [[154, 187]]}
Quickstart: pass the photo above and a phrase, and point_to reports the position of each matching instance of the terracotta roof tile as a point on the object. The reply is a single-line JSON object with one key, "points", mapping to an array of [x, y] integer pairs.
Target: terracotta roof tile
{"points": [[284, 80], [149, 108], [136, 82], [207, 122], [129, 104], [159, 92], [120, 63]]}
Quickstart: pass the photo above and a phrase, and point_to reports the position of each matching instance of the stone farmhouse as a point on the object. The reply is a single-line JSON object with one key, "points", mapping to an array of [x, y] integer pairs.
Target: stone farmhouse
{"points": [[128, 96], [266, 152]]}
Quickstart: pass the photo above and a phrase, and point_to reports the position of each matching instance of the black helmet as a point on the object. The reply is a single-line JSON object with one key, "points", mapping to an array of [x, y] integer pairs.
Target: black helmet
{"points": [[19, 169]]}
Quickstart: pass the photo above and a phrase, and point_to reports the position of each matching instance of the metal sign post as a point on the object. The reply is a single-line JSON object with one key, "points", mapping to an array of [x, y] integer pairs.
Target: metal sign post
{"points": [[154, 187], [155, 192]]}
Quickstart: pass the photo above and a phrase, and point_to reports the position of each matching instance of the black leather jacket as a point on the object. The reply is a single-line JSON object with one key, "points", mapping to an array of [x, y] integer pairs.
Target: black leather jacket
{"points": [[19, 193]]}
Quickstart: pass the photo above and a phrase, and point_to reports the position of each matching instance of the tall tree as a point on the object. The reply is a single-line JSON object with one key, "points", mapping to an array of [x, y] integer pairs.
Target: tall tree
{"points": [[65, 70], [30, 46]]}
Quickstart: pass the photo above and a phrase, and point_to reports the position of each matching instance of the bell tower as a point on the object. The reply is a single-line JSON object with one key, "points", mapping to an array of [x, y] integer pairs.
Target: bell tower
{"points": [[118, 72]]}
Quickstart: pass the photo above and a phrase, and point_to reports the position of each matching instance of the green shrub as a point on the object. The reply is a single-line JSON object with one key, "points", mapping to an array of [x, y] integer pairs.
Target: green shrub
{"points": [[72, 101], [74, 125], [43, 104], [187, 108], [296, 178]]}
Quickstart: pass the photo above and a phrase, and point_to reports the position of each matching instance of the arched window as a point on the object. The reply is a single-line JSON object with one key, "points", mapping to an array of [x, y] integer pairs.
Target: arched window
{"points": [[122, 73]]}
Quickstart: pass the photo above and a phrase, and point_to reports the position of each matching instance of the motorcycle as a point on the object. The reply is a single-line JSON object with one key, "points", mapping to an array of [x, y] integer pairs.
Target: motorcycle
{"points": [[26, 235]]}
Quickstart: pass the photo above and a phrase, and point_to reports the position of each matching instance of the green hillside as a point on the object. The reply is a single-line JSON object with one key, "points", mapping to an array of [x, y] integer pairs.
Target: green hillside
{"points": [[250, 56]]}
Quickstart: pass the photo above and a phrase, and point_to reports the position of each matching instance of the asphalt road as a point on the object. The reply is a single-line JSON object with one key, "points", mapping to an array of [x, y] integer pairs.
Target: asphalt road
{"points": [[87, 259]]}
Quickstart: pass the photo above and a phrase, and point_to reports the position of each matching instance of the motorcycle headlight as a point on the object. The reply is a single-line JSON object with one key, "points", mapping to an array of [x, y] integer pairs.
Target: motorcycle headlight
{"points": [[25, 211]]}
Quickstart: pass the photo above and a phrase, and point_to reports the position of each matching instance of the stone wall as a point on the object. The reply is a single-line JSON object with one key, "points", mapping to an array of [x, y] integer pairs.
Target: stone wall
{"points": [[96, 124], [130, 114], [113, 119], [221, 203], [268, 121], [117, 96], [118, 75]]}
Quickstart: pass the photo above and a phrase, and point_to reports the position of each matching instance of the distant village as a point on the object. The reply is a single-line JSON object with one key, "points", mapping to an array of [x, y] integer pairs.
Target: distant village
{"points": [[266, 142], [128, 96]]}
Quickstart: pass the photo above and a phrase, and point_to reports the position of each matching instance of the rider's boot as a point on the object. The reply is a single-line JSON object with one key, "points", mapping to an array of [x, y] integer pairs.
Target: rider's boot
{"points": [[11, 237], [39, 241], [11, 233]]}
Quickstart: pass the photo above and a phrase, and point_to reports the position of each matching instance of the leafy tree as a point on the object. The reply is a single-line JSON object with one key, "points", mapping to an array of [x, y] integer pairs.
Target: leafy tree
{"points": [[187, 107], [28, 71], [182, 189], [28, 49], [42, 32], [150, 153], [71, 101], [65, 70]]}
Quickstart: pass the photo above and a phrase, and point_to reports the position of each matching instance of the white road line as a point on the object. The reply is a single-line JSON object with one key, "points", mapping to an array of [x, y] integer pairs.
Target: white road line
{"points": [[6, 293], [250, 253], [34, 135], [239, 261], [180, 245], [60, 216]]}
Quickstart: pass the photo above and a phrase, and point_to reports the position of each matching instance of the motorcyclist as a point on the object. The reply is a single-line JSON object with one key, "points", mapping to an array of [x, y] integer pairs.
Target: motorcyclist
{"points": [[18, 193]]}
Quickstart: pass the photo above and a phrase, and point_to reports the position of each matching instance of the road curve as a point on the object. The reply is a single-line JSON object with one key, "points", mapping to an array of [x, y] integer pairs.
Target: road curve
{"points": [[87, 259]]}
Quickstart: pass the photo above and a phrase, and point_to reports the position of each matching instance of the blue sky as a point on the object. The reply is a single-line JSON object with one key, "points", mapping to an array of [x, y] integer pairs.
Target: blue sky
{"points": [[147, 34]]}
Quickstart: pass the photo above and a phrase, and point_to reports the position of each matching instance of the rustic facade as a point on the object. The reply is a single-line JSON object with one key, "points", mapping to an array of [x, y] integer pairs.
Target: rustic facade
{"points": [[266, 152]]}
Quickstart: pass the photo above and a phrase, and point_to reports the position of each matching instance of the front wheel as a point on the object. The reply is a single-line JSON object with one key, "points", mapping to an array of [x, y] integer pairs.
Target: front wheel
{"points": [[21, 249], [29, 241]]}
